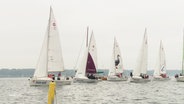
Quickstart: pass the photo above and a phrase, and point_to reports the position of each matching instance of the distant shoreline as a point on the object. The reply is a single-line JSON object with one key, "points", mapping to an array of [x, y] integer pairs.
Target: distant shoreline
{"points": [[16, 73]]}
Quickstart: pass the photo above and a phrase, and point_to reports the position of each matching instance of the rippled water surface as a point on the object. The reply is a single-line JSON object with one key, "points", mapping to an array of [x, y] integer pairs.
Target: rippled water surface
{"points": [[18, 91]]}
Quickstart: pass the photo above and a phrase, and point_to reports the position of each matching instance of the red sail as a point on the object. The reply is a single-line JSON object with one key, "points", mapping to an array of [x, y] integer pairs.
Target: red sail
{"points": [[90, 67]]}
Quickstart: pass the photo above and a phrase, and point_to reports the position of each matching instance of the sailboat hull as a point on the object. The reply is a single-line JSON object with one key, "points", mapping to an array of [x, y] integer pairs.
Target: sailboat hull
{"points": [[39, 81], [139, 80], [160, 78], [64, 81], [46, 81], [180, 79], [115, 78], [85, 80]]}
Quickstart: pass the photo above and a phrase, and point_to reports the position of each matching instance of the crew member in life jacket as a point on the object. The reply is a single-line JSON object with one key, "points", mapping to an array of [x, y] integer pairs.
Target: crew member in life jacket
{"points": [[59, 75], [91, 76], [119, 75], [144, 76], [163, 75], [176, 76], [131, 74]]}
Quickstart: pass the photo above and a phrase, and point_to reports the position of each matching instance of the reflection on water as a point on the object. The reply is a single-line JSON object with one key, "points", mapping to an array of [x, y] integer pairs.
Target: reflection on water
{"points": [[18, 91]]}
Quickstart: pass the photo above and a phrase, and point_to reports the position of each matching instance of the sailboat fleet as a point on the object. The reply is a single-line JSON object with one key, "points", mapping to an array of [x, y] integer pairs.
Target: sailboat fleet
{"points": [[50, 63]]}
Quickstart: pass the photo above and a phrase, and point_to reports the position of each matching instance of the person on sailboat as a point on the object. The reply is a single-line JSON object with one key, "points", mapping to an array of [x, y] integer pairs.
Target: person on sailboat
{"points": [[119, 75], [146, 76], [59, 75], [131, 74], [49, 75], [176, 76], [181, 74], [91, 76], [163, 75], [53, 76]]}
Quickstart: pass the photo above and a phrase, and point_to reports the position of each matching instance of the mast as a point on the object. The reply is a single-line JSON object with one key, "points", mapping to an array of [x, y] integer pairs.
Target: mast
{"points": [[114, 53], [48, 39], [87, 37], [183, 55], [160, 59], [144, 55]]}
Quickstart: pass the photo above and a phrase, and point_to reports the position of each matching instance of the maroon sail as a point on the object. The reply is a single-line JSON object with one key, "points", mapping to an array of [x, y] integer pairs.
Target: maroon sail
{"points": [[90, 67]]}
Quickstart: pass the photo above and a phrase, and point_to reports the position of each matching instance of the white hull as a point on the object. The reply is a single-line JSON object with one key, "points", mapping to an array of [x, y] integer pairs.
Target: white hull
{"points": [[139, 80], [85, 80], [39, 82], [115, 78], [43, 82], [63, 82], [160, 79], [180, 79]]}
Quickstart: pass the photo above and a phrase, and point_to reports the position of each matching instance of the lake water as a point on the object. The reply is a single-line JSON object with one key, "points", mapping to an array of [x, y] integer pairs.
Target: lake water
{"points": [[18, 91]]}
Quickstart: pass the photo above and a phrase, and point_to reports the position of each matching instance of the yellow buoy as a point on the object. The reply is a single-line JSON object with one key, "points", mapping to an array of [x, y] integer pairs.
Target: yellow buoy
{"points": [[51, 93]]}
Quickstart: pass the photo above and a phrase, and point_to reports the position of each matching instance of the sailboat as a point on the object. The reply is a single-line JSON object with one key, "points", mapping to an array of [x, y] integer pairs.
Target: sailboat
{"points": [[87, 69], [50, 57], [160, 71], [180, 77], [140, 73], [116, 69]]}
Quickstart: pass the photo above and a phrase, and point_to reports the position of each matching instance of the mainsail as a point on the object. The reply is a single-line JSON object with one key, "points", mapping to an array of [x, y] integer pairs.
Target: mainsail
{"points": [[81, 72], [89, 61], [50, 58], [55, 58], [143, 57], [161, 65], [92, 56], [116, 63]]}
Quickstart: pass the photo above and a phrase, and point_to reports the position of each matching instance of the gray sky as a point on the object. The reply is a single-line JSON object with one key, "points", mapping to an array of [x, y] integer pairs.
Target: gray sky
{"points": [[23, 25]]}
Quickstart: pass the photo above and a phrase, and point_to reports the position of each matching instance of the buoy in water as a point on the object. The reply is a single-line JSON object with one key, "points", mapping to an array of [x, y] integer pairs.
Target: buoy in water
{"points": [[51, 92]]}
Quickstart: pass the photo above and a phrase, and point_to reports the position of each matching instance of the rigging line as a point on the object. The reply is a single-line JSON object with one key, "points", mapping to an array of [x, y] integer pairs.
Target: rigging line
{"points": [[183, 55]]}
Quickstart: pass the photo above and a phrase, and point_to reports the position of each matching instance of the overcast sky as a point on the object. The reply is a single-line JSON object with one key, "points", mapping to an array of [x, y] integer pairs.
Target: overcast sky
{"points": [[23, 25]]}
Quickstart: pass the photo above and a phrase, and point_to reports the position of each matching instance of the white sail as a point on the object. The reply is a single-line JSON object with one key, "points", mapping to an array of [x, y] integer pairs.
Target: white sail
{"points": [[81, 71], [162, 59], [183, 56], [116, 63], [92, 49], [118, 57], [112, 70], [50, 58], [143, 57], [161, 66], [41, 68], [55, 58], [89, 61], [157, 69]]}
